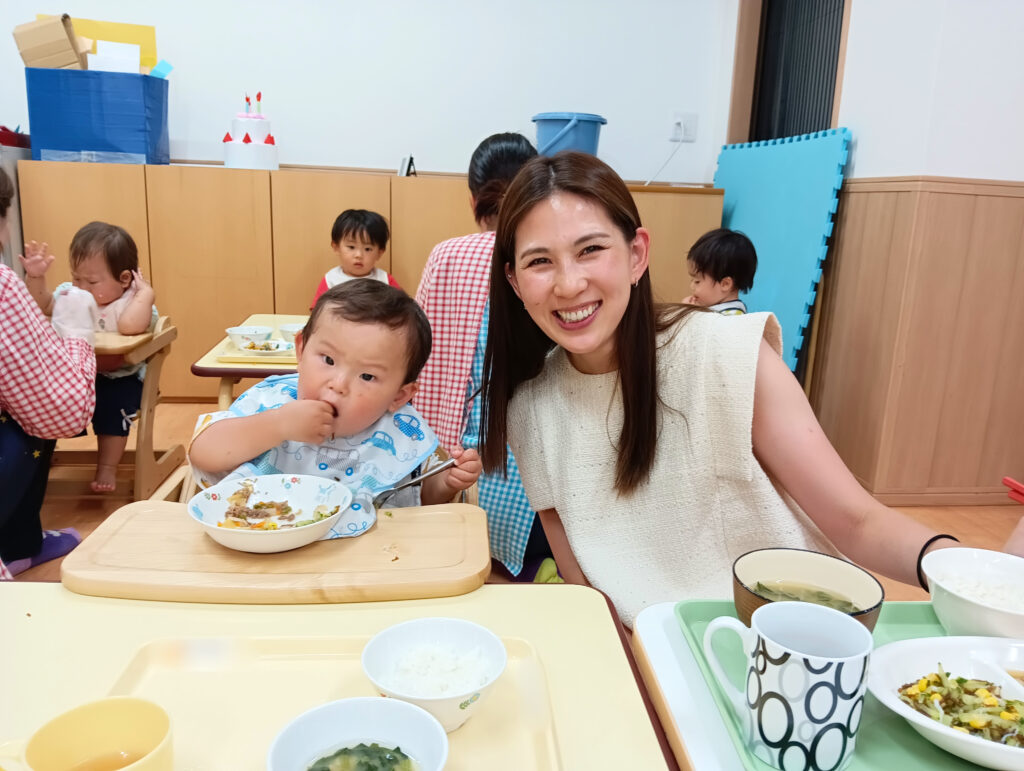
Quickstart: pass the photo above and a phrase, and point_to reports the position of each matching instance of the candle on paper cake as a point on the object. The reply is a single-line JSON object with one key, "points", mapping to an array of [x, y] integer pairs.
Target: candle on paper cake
{"points": [[249, 144]]}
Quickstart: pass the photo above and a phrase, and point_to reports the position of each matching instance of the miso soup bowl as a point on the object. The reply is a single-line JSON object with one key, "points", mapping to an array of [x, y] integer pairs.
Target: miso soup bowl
{"points": [[390, 723], [822, 571]]}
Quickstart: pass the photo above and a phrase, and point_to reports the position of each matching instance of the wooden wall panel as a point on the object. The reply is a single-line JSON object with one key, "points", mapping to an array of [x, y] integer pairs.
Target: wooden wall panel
{"points": [[676, 217], [426, 211], [305, 205], [918, 384], [967, 268], [58, 198], [211, 253]]}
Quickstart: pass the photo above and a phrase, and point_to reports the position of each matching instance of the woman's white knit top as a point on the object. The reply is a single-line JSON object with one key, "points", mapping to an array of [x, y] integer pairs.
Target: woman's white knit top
{"points": [[707, 500]]}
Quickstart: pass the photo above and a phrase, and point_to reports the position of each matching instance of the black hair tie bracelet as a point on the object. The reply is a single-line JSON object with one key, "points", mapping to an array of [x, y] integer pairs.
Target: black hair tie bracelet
{"points": [[920, 573]]}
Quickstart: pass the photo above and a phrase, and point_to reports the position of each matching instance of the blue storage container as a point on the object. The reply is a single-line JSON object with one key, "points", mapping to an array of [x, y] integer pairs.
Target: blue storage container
{"points": [[557, 131], [104, 117]]}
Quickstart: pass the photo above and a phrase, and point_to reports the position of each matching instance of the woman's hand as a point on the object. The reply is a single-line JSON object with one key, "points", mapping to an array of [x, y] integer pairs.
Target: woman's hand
{"points": [[1015, 544], [36, 260]]}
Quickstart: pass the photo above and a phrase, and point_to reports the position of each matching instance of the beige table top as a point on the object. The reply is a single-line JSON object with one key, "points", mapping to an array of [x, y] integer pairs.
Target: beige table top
{"points": [[61, 649], [209, 366]]}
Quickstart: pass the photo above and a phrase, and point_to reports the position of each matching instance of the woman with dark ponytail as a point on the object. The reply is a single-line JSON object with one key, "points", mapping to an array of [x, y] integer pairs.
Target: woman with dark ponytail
{"points": [[453, 292]]}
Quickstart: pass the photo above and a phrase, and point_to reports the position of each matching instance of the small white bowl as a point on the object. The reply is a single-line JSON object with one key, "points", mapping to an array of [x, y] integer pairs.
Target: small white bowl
{"points": [[302, 492], [288, 331], [386, 649], [242, 336], [326, 729], [951, 574]]}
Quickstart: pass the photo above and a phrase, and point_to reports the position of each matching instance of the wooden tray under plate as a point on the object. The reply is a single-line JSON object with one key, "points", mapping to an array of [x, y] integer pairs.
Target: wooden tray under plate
{"points": [[152, 550]]}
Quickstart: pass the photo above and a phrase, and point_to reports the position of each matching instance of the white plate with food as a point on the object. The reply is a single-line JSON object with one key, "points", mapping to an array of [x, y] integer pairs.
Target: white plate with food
{"points": [[268, 348], [277, 512], [963, 694]]}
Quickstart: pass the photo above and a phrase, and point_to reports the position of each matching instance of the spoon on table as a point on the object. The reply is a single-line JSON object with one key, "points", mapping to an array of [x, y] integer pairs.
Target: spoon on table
{"points": [[383, 495]]}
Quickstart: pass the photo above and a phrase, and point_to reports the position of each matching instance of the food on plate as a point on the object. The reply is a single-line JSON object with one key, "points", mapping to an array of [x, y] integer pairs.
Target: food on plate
{"points": [[1005, 595], [780, 591], [366, 757], [971, 706], [268, 345], [436, 670], [266, 515]]}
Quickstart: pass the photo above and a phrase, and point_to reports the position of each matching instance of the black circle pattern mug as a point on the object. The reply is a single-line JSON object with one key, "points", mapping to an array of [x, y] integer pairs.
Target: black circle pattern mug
{"points": [[806, 674]]}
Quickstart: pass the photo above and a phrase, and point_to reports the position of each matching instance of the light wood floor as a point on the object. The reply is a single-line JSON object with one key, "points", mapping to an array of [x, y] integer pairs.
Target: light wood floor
{"points": [[983, 526]]}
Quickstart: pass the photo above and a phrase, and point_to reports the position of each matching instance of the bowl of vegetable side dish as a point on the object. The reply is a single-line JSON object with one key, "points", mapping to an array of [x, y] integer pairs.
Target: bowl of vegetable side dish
{"points": [[444, 665], [976, 591], [360, 733], [960, 693], [772, 575], [242, 336], [271, 513]]}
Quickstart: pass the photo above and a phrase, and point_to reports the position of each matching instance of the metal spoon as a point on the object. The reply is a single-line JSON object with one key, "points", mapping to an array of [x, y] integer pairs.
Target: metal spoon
{"points": [[383, 495]]}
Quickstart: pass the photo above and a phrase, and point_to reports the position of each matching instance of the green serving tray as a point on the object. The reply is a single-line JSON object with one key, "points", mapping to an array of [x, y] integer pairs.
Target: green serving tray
{"points": [[884, 741]]}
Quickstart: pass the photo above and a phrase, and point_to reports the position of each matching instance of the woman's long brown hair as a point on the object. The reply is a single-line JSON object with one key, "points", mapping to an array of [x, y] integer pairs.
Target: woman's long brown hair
{"points": [[516, 346]]}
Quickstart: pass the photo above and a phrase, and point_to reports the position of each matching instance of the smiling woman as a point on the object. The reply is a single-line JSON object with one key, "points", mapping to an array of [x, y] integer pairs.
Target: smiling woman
{"points": [[658, 443]]}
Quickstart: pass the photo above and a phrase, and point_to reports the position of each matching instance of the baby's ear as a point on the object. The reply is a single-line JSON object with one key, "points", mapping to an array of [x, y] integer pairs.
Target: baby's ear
{"points": [[727, 283], [125, 278], [404, 396]]}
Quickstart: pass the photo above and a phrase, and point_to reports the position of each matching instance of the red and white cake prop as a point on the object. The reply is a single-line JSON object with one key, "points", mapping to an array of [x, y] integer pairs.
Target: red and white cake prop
{"points": [[249, 144]]}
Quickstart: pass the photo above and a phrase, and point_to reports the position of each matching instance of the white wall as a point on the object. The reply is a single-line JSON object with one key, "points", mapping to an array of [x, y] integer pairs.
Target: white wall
{"points": [[364, 82], [936, 88]]}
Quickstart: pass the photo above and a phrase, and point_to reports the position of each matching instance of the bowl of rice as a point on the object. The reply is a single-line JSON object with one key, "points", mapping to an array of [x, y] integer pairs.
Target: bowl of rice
{"points": [[444, 665], [977, 591]]}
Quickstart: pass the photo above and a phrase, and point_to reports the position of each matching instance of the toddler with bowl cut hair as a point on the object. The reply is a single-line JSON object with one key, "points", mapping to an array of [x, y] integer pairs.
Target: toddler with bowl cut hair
{"points": [[359, 238]]}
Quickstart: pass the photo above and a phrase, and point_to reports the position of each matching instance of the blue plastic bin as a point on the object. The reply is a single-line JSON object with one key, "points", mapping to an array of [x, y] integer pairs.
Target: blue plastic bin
{"points": [[106, 117], [557, 131]]}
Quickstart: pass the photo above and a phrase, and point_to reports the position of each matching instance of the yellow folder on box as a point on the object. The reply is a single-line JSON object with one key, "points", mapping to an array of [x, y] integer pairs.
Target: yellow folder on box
{"points": [[142, 35]]}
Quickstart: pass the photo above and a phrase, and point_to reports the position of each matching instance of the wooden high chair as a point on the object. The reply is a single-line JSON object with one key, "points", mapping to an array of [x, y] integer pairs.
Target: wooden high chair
{"points": [[72, 470]]}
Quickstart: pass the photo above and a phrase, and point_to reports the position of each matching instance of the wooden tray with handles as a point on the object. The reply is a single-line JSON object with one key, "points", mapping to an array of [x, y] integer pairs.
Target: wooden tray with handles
{"points": [[152, 550]]}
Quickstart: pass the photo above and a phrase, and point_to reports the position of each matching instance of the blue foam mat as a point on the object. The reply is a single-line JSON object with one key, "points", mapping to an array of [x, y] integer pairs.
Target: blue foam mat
{"points": [[783, 194]]}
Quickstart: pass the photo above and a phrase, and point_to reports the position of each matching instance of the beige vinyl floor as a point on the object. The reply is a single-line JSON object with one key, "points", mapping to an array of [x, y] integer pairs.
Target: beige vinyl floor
{"points": [[982, 526]]}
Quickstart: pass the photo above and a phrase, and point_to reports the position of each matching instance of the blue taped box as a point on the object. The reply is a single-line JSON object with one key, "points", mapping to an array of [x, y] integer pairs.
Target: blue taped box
{"points": [[104, 117]]}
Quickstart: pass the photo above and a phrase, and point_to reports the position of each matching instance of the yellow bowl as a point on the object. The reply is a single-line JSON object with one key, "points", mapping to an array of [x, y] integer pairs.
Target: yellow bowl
{"points": [[125, 730], [805, 567]]}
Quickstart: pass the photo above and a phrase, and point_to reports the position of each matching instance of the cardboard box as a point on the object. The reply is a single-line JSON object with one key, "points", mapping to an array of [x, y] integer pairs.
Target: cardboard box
{"points": [[51, 43], [105, 117]]}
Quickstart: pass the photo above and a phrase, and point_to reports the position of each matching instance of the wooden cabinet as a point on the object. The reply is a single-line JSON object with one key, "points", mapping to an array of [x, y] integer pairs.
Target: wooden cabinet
{"points": [[59, 198], [917, 380], [425, 211], [675, 217], [305, 205], [210, 244]]}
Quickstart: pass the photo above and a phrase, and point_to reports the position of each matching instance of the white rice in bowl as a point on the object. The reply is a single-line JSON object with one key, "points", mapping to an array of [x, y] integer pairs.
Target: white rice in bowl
{"points": [[437, 670], [1004, 595]]}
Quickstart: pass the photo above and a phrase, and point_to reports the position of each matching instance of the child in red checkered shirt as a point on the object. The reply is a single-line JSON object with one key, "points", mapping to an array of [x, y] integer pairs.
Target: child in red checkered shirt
{"points": [[105, 263]]}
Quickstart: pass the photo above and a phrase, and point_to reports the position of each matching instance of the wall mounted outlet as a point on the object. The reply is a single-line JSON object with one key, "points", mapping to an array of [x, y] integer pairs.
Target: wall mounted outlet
{"points": [[684, 127]]}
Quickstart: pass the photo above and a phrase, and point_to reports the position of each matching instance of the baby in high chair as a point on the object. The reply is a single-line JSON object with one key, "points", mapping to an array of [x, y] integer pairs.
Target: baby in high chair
{"points": [[345, 415], [721, 264], [105, 263]]}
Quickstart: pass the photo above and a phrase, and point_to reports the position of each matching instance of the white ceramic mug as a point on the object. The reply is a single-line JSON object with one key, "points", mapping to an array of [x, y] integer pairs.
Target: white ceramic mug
{"points": [[806, 673]]}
